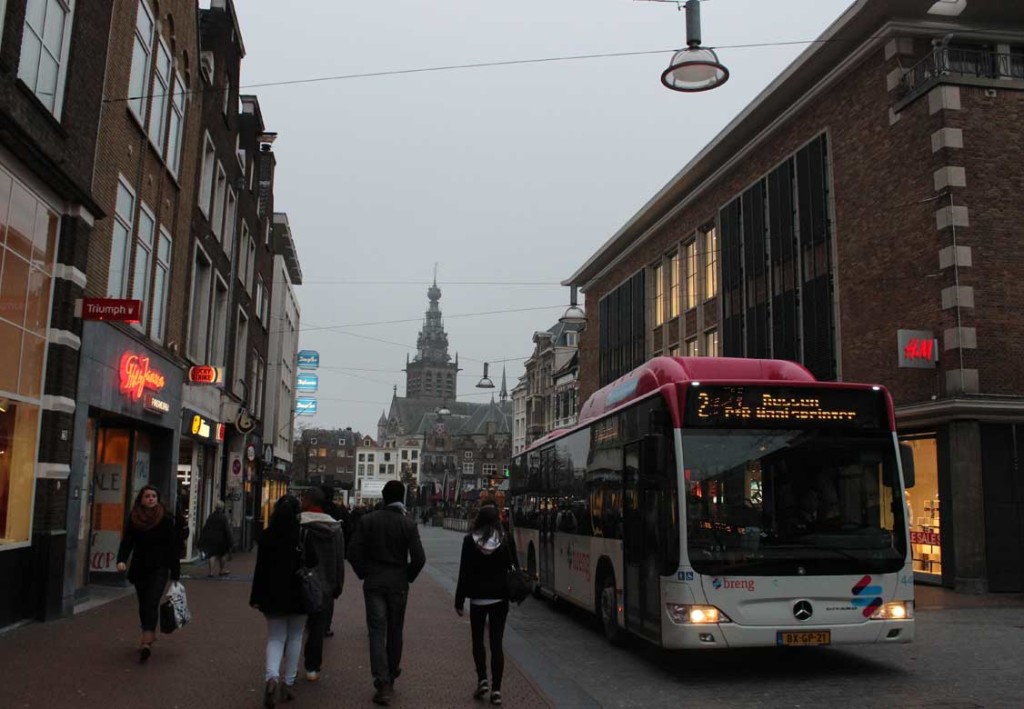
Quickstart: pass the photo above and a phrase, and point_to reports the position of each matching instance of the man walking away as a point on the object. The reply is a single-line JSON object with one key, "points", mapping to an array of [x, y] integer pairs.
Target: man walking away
{"points": [[324, 533], [387, 554]]}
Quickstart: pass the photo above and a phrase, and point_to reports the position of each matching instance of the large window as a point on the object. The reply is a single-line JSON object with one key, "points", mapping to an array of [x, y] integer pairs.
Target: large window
{"points": [[220, 188], [218, 328], [657, 275], [143, 260], [230, 213], [622, 343], [241, 340], [209, 171], [157, 124], [710, 264], [160, 285], [124, 214], [28, 244], [198, 334], [142, 50], [691, 275], [673, 285], [711, 343], [44, 50], [176, 126], [247, 256]]}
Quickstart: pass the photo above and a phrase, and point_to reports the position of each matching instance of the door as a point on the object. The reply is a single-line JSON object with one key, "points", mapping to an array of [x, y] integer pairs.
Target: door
{"points": [[632, 538], [546, 538], [109, 485]]}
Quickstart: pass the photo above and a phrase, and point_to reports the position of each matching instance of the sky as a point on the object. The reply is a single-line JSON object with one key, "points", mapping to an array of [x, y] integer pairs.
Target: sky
{"points": [[508, 177]]}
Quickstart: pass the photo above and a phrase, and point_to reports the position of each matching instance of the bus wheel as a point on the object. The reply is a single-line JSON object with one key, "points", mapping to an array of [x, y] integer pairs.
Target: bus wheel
{"points": [[608, 609]]}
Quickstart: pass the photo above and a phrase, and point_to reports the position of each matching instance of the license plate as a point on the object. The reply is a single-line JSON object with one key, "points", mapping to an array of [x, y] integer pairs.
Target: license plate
{"points": [[803, 637]]}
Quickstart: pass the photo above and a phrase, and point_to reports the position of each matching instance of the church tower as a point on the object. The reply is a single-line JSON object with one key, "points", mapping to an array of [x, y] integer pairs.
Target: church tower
{"points": [[431, 374]]}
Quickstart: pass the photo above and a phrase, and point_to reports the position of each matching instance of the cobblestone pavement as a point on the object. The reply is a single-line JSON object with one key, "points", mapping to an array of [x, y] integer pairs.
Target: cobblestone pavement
{"points": [[216, 662], [967, 653]]}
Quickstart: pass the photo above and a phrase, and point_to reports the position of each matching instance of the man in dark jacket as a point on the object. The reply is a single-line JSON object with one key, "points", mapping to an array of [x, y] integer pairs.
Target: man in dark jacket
{"points": [[324, 533], [387, 554]]}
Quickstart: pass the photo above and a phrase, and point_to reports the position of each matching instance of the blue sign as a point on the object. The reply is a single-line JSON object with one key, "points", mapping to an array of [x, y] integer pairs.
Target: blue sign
{"points": [[305, 406], [309, 359], [307, 382]]}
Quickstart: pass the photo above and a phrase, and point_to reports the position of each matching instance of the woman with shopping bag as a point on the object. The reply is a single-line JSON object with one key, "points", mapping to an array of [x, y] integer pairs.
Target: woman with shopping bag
{"points": [[149, 552], [283, 562]]}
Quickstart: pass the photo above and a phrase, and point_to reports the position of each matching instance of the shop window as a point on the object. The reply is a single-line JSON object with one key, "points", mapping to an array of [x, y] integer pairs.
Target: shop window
{"points": [[19, 426], [923, 507]]}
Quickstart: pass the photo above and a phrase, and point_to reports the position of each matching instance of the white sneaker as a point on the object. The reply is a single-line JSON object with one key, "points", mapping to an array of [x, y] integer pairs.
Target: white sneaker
{"points": [[312, 676]]}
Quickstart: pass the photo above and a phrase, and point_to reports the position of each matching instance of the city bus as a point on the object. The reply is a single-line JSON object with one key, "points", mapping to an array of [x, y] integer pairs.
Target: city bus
{"points": [[715, 502]]}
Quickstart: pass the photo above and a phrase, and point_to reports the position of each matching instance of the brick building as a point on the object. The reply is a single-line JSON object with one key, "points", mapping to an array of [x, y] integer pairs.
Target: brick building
{"points": [[861, 216], [51, 83]]}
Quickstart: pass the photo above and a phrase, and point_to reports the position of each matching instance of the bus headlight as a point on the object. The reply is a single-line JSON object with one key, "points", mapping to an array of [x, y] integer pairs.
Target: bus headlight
{"points": [[681, 614], [896, 610]]}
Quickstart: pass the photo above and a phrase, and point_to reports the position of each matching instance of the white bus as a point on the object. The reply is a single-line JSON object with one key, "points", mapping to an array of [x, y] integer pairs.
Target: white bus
{"points": [[718, 502]]}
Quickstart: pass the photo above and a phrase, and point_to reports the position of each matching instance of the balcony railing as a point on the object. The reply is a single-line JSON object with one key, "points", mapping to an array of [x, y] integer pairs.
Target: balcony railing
{"points": [[963, 63]]}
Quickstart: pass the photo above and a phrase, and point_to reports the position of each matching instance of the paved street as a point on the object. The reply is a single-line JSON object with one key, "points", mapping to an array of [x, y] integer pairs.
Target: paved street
{"points": [[967, 655]]}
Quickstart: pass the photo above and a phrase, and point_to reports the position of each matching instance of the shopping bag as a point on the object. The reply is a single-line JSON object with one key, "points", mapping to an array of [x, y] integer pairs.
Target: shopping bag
{"points": [[168, 624], [179, 602]]}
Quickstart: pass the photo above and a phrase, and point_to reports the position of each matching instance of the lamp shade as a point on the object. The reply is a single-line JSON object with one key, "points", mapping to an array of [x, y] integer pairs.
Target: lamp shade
{"points": [[694, 69]]}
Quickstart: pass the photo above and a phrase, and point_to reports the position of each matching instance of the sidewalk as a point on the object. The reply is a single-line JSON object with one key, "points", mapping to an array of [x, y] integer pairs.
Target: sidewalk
{"points": [[90, 661]]}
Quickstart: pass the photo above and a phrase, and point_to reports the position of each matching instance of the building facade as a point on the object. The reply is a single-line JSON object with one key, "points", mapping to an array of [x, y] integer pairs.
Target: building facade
{"points": [[859, 217], [52, 63], [551, 380]]}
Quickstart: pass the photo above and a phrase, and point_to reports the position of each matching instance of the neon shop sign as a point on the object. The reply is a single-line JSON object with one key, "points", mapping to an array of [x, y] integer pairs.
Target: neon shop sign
{"points": [[137, 376]]}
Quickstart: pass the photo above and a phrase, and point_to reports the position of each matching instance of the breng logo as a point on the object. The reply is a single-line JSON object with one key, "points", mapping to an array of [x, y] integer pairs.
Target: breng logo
{"points": [[866, 596], [733, 584]]}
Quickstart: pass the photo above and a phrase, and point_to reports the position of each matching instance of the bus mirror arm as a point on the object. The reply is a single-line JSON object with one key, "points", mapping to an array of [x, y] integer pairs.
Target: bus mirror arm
{"points": [[907, 461]]}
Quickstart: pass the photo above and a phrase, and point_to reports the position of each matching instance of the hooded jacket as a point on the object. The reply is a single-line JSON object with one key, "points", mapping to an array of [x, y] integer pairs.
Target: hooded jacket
{"points": [[484, 566], [324, 533]]}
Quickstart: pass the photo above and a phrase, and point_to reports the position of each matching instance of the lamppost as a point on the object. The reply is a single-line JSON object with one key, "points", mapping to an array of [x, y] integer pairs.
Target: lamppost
{"points": [[694, 68]]}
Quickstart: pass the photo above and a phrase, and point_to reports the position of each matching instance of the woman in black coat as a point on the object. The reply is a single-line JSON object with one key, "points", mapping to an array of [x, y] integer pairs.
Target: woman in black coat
{"points": [[277, 593], [487, 553], [216, 540], [152, 542]]}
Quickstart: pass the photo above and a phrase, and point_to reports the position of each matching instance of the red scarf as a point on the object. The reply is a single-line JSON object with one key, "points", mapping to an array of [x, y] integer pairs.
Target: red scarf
{"points": [[146, 518]]}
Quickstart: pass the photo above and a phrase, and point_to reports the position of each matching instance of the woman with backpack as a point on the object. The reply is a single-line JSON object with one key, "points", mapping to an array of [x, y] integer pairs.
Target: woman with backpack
{"points": [[277, 593], [152, 543], [487, 553]]}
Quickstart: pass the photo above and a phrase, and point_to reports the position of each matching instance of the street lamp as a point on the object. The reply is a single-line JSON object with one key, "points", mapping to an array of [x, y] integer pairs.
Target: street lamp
{"points": [[695, 68], [485, 381], [574, 314]]}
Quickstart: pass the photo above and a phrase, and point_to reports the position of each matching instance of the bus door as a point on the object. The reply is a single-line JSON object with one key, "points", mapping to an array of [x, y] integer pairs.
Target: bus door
{"points": [[546, 538], [640, 543]]}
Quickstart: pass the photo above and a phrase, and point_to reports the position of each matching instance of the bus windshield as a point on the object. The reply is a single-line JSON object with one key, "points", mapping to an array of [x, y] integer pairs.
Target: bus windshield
{"points": [[785, 502]]}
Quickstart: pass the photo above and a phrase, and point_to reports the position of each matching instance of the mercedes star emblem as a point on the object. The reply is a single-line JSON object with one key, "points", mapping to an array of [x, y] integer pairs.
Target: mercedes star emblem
{"points": [[802, 610]]}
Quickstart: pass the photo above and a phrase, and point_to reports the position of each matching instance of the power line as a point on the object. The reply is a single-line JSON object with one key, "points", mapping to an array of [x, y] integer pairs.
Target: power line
{"points": [[419, 319]]}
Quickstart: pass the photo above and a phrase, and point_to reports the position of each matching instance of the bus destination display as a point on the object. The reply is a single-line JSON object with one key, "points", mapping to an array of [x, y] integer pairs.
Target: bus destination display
{"points": [[784, 407]]}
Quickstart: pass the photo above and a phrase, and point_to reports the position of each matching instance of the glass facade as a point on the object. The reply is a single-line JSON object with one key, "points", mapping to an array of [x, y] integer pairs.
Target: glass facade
{"points": [[28, 243], [923, 507]]}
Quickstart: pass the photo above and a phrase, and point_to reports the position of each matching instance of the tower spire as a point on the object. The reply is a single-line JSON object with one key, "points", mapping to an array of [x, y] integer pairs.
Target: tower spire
{"points": [[504, 386]]}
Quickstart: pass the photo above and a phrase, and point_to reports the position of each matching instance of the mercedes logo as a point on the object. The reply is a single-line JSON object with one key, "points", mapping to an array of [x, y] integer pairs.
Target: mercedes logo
{"points": [[803, 610]]}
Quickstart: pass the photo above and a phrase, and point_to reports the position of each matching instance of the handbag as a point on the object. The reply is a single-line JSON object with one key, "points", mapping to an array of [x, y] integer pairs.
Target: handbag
{"points": [[517, 581], [179, 602], [312, 591], [168, 624]]}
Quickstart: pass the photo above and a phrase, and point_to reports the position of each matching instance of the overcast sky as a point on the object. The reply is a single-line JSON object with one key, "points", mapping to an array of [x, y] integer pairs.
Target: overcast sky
{"points": [[502, 175]]}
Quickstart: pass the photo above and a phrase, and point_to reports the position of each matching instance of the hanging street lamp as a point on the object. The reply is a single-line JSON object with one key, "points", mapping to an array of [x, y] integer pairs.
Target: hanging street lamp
{"points": [[694, 68]]}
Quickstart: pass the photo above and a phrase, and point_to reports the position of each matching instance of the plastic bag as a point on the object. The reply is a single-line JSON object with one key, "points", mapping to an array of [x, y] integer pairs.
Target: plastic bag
{"points": [[179, 601]]}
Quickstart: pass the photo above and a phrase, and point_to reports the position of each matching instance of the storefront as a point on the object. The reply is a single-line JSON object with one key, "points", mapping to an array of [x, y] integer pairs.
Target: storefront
{"points": [[923, 509], [126, 436], [28, 244], [198, 480]]}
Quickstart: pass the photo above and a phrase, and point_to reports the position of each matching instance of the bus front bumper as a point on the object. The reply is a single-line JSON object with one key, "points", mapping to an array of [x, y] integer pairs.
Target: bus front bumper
{"points": [[730, 635]]}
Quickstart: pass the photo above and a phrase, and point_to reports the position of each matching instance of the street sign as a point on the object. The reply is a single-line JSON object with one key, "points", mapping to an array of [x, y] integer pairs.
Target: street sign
{"points": [[305, 406], [307, 382], [309, 359], [116, 309], [250, 452], [244, 422], [268, 454]]}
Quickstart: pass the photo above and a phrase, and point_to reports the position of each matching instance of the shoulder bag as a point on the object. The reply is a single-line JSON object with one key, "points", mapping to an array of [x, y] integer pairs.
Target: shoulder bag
{"points": [[517, 581], [312, 592]]}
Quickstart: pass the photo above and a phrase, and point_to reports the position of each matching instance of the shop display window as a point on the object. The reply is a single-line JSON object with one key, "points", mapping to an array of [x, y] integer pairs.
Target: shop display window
{"points": [[19, 426], [923, 507]]}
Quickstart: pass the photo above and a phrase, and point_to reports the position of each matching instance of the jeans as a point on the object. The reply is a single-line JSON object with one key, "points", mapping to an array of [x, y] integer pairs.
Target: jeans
{"points": [[478, 615], [385, 620], [150, 589], [316, 625], [284, 638]]}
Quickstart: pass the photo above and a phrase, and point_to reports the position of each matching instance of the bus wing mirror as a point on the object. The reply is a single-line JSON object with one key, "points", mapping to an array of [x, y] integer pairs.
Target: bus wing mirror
{"points": [[907, 461]]}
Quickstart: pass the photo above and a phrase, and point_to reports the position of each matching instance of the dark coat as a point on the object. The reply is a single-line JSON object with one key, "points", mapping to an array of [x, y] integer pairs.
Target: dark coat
{"points": [[324, 534], [386, 551], [483, 572], [216, 538], [151, 550], [276, 586]]}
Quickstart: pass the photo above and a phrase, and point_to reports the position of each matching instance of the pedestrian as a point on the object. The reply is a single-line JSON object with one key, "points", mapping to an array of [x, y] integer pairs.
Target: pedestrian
{"points": [[324, 534], [152, 543], [277, 594], [329, 505], [387, 554], [487, 553], [216, 540]]}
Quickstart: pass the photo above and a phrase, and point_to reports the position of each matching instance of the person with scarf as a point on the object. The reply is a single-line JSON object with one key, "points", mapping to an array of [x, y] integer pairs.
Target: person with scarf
{"points": [[152, 543], [487, 553], [387, 553], [323, 533]]}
